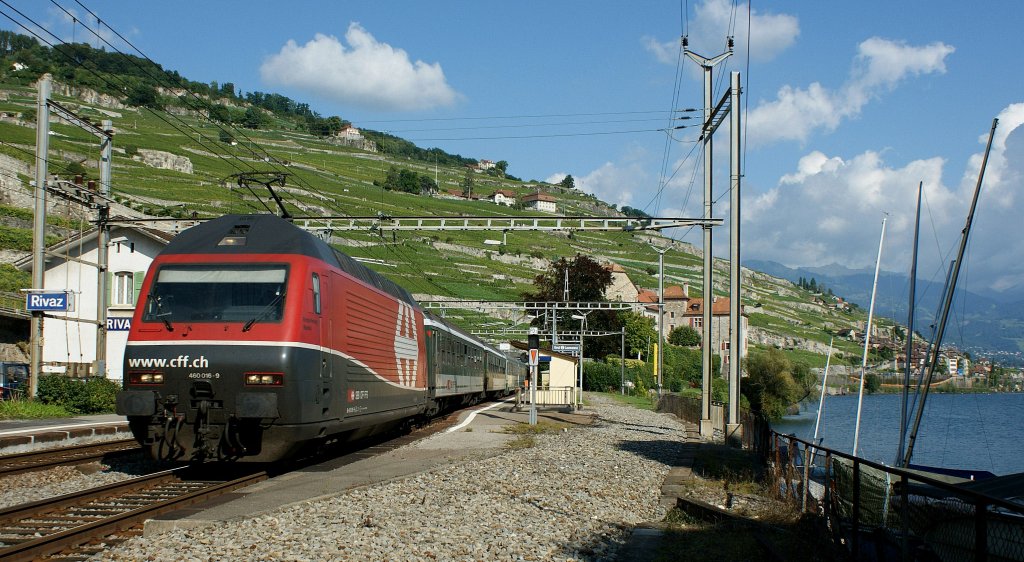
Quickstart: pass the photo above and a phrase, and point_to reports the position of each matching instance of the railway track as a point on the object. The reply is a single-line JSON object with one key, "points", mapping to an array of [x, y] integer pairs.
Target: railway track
{"points": [[78, 454], [37, 529], [82, 524]]}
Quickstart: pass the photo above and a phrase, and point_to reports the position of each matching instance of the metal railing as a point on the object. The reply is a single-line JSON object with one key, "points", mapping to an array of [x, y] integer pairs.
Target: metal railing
{"points": [[755, 428], [887, 513], [549, 396]]}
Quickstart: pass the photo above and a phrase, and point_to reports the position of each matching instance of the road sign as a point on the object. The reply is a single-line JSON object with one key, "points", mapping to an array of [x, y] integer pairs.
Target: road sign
{"points": [[46, 301], [534, 357]]}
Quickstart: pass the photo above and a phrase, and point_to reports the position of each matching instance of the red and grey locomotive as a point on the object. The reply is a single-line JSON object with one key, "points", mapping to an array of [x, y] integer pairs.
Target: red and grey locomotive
{"points": [[255, 338]]}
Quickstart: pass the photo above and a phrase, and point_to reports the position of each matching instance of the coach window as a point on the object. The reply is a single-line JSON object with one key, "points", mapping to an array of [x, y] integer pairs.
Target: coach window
{"points": [[316, 293]]}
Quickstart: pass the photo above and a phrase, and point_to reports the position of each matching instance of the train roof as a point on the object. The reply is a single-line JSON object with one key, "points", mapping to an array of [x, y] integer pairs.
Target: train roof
{"points": [[269, 234]]}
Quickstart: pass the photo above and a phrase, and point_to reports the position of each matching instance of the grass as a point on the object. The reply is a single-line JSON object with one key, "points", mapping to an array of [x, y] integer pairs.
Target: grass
{"points": [[754, 525], [641, 402], [526, 434], [27, 409]]}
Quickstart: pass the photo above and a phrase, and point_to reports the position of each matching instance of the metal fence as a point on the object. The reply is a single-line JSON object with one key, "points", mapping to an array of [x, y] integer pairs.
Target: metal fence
{"points": [[886, 513], [755, 428]]}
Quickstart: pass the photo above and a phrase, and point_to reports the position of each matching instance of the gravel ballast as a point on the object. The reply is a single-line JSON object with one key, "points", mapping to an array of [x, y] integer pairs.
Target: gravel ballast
{"points": [[575, 494]]}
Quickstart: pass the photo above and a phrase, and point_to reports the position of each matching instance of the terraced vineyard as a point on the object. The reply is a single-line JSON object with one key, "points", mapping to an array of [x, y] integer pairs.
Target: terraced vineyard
{"points": [[329, 179]]}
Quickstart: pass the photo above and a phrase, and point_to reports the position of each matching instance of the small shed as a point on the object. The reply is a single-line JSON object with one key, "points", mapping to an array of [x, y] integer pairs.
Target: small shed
{"points": [[558, 377]]}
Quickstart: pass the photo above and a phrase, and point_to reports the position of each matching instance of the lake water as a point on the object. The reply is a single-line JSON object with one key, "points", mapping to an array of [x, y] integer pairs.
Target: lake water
{"points": [[967, 431]]}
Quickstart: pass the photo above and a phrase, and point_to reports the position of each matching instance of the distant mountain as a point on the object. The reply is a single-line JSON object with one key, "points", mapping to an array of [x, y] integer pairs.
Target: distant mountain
{"points": [[982, 324]]}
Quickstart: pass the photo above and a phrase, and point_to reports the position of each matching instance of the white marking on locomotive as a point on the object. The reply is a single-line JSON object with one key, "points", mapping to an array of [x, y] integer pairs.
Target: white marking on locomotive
{"points": [[406, 345]]}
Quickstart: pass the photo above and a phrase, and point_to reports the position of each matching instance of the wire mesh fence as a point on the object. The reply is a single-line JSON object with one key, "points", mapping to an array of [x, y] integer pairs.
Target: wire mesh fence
{"points": [[878, 512], [885, 513]]}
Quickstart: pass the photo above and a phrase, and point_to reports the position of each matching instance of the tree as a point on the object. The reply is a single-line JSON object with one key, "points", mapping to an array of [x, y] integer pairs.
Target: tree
{"points": [[684, 336], [467, 184], [501, 166], [639, 332], [220, 112], [567, 182], [254, 119], [588, 280], [142, 95], [872, 383], [769, 386]]}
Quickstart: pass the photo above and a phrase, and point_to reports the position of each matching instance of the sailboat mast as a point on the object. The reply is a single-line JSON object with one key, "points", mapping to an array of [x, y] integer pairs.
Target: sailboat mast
{"points": [[910, 328], [821, 400], [867, 340], [949, 298]]}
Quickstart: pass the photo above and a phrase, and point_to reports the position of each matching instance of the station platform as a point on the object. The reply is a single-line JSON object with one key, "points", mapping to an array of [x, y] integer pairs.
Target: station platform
{"points": [[18, 436], [477, 433]]}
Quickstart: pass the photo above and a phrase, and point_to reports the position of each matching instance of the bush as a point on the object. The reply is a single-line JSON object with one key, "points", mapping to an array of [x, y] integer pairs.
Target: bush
{"points": [[601, 377], [95, 395]]}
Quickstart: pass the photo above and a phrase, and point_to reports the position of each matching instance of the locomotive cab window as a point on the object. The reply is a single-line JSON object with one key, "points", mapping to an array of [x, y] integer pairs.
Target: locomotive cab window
{"points": [[217, 293]]}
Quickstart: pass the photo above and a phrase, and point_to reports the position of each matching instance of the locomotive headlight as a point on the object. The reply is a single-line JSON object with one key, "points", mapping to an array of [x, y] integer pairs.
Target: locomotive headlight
{"points": [[145, 377], [264, 379]]}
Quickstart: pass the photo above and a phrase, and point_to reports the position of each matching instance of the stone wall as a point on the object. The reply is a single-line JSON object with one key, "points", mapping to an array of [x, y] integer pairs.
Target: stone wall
{"points": [[164, 160]]}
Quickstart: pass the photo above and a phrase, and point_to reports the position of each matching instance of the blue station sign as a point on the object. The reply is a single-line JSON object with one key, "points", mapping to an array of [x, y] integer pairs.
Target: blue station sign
{"points": [[46, 301], [119, 324]]}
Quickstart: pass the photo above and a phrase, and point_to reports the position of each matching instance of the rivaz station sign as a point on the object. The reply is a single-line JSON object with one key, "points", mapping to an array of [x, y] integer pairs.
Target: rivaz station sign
{"points": [[46, 302]]}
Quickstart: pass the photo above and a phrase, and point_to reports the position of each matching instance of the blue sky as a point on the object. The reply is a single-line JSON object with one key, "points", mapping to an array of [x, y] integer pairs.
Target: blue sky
{"points": [[847, 105]]}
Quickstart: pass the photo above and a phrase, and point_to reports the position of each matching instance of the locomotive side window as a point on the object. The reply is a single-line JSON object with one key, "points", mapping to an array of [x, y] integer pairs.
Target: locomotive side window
{"points": [[217, 293], [316, 293]]}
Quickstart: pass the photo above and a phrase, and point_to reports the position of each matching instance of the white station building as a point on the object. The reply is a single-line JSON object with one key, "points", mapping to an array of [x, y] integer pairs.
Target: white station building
{"points": [[69, 337]]}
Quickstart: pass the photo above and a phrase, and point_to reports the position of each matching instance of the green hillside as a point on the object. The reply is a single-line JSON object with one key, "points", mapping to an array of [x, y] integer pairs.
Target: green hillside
{"points": [[327, 178]]}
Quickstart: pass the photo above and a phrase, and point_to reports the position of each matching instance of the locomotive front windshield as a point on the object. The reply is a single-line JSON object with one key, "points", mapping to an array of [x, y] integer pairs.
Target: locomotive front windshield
{"points": [[217, 293]]}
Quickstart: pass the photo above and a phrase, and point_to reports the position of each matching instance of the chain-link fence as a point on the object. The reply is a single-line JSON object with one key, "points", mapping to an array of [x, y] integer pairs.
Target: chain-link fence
{"points": [[884, 513]]}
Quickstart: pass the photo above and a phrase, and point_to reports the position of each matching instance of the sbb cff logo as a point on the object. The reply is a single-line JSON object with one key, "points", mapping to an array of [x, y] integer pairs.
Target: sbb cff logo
{"points": [[354, 395]]}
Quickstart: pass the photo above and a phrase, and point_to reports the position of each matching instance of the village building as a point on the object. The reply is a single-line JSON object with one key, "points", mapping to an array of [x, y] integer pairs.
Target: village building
{"points": [[69, 337], [682, 310], [503, 197], [349, 135], [622, 288], [540, 202], [557, 377]]}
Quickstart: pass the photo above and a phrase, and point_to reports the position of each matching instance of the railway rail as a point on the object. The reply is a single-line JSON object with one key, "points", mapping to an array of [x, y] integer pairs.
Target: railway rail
{"points": [[37, 529], [77, 454], [83, 523]]}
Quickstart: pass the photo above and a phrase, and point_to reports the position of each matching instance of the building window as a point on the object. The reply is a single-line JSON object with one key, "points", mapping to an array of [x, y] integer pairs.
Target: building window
{"points": [[698, 323], [123, 289]]}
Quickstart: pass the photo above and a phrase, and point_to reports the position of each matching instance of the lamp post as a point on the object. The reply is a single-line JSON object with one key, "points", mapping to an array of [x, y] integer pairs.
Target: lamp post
{"points": [[661, 313], [622, 365], [583, 326]]}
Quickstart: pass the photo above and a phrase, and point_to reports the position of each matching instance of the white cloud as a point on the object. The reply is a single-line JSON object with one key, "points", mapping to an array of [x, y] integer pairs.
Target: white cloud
{"points": [[666, 52], [613, 183], [829, 209], [366, 72], [556, 177], [879, 66], [770, 34], [997, 248]]}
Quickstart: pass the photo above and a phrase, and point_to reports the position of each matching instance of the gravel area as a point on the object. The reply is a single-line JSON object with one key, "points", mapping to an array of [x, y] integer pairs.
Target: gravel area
{"points": [[574, 495], [27, 487]]}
